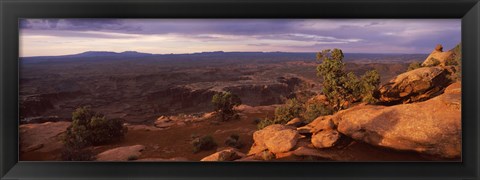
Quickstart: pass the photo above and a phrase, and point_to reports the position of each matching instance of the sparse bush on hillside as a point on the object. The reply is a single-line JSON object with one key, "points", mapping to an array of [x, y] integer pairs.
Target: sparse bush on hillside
{"points": [[340, 87], [291, 109], [369, 84], [414, 65], [456, 60], [203, 144], [224, 103], [89, 128], [234, 141], [314, 110], [265, 122]]}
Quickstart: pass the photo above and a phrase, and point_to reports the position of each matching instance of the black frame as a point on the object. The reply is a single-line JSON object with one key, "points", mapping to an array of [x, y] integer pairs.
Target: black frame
{"points": [[12, 10]]}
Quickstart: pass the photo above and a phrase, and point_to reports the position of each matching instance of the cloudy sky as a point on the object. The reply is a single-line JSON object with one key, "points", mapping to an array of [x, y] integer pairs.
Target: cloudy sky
{"points": [[40, 37]]}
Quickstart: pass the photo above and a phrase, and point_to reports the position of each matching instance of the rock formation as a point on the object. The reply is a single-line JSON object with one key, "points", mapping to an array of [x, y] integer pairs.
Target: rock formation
{"points": [[229, 154], [416, 85], [276, 138], [431, 127], [438, 57], [121, 153]]}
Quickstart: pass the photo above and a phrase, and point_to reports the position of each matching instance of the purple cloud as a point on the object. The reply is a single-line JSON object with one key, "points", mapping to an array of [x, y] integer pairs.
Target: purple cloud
{"points": [[353, 35]]}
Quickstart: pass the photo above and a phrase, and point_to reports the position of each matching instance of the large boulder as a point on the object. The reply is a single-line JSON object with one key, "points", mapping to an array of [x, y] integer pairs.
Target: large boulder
{"points": [[416, 85], [431, 127], [276, 138], [121, 153], [224, 155], [438, 57], [282, 141]]}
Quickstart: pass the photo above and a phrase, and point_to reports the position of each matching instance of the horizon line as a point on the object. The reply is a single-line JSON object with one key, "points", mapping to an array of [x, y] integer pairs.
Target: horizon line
{"points": [[219, 51]]}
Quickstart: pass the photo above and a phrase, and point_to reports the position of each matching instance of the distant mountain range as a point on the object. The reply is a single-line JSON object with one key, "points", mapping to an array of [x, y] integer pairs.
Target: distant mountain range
{"points": [[215, 55]]}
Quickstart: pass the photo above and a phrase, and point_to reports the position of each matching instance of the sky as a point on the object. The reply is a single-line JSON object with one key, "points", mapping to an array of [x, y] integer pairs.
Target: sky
{"points": [[49, 37]]}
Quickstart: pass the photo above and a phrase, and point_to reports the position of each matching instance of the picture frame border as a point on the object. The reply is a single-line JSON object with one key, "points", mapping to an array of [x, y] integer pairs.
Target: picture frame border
{"points": [[13, 10]]}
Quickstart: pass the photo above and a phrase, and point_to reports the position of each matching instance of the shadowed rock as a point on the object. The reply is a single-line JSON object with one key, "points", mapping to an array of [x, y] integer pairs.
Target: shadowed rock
{"points": [[416, 85], [431, 127]]}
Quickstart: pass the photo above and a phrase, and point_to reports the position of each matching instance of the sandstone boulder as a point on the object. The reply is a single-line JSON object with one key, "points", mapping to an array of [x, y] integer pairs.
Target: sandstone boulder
{"points": [[325, 139], [272, 135], [282, 141], [121, 153], [416, 85], [224, 155], [431, 127]]}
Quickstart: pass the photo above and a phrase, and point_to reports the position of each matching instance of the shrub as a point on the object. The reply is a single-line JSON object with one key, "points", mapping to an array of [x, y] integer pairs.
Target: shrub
{"points": [[314, 110], [203, 143], [224, 103], [414, 65], [89, 128], [265, 122], [233, 141], [291, 109], [369, 84], [341, 87], [456, 60]]}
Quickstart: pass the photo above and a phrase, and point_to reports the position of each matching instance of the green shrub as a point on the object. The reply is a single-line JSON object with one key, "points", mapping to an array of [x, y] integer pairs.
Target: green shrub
{"points": [[265, 122], [224, 103], [340, 87], [233, 141], [369, 84], [414, 65], [203, 143], [314, 110], [89, 128], [291, 109]]}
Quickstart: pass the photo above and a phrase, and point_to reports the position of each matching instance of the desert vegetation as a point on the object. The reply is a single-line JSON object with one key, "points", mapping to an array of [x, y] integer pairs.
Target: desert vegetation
{"points": [[89, 128]]}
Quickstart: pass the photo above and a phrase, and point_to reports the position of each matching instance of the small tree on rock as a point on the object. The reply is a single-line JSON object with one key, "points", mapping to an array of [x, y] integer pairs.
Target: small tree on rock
{"points": [[89, 128], [340, 87], [224, 103]]}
